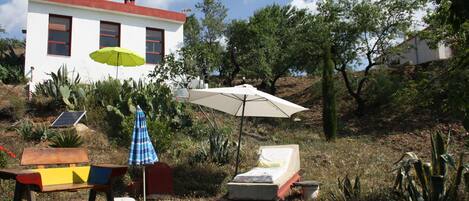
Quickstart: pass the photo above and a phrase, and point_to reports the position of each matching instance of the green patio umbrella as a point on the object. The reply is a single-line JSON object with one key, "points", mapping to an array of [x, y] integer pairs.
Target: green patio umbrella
{"points": [[116, 56]]}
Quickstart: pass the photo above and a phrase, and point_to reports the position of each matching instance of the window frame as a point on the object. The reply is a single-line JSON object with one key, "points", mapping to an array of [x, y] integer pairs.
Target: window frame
{"points": [[162, 53], [70, 18], [106, 35]]}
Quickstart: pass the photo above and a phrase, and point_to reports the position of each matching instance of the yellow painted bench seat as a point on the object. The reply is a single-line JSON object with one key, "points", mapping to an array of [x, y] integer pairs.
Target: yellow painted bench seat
{"points": [[62, 169], [65, 175]]}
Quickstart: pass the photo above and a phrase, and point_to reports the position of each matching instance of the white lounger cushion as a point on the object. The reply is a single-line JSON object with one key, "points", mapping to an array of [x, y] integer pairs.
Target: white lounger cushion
{"points": [[260, 175], [268, 175], [289, 157]]}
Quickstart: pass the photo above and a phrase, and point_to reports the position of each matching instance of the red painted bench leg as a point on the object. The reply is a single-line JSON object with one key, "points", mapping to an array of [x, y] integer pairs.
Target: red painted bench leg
{"points": [[19, 189]]}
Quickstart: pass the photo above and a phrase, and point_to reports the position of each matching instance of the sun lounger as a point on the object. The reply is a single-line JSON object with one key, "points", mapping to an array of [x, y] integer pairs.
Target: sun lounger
{"points": [[278, 168]]}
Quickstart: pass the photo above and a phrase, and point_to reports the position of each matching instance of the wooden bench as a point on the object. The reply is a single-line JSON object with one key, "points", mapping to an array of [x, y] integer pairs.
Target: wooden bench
{"points": [[62, 169]]}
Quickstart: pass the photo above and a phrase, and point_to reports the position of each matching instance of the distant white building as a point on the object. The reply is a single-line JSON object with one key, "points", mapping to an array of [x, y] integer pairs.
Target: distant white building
{"points": [[67, 31], [417, 51]]}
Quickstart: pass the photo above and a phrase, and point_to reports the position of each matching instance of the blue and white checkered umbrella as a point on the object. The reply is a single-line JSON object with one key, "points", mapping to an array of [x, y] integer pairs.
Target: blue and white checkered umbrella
{"points": [[141, 150]]}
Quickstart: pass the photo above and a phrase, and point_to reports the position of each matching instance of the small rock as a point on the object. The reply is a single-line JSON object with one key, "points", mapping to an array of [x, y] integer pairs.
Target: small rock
{"points": [[82, 128]]}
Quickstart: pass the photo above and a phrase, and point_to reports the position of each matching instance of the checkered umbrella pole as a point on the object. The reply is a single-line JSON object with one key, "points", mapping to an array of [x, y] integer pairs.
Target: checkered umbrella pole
{"points": [[141, 149]]}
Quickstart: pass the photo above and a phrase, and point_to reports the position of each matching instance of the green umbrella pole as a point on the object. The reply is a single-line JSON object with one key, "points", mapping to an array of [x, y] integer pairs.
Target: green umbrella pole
{"points": [[117, 66], [239, 138]]}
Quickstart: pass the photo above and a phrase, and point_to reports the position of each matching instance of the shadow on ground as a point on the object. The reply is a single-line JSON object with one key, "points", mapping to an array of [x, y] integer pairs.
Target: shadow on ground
{"points": [[198, 180]]}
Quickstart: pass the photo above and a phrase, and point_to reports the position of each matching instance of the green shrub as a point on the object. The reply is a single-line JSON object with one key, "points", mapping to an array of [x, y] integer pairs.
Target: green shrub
{"points": [[160, 135], [159, 132], [120, 101], [3, 160], [25, 129], [12, 74], [32, 132], [218, 149], [67, 138], [438, 180], [197, 131], [382, 87], [13, 105], [200, 156], [43, 104], [42, 132], [4, 155], [106, 92]]}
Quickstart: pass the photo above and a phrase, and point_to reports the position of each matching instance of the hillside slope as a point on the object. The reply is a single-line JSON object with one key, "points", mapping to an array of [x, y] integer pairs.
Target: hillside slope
{"points": [[367, 146]]}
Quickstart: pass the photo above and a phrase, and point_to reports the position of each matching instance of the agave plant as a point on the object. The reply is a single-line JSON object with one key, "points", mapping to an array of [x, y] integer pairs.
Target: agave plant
{"points": [[347, 191], [67, 139], [438, 180], [32, 132], [219, 148], [25, 128], [63, 89]]}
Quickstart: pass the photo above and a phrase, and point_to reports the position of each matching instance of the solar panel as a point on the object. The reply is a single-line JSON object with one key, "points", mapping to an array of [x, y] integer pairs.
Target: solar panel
{"points": [[68, 119]]}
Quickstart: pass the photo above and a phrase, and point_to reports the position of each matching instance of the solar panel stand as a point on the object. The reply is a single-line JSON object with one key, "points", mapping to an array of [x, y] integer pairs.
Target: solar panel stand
{"points": [[67, 119]]}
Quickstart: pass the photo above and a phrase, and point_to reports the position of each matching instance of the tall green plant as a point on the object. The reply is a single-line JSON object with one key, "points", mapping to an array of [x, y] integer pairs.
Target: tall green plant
{"points": [[329, 113], [438, 180], [218, 150], [67, 138], [348, 190], [121, 99], [64, 90]]}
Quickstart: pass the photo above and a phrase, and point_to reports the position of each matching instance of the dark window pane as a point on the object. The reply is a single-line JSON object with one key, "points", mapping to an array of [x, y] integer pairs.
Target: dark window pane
{"points": [[110, 29], [109, 35], [153, 58], [109, 42], [59, 35], [58, 49], [153, 47], [154, 35], [59, 23]]}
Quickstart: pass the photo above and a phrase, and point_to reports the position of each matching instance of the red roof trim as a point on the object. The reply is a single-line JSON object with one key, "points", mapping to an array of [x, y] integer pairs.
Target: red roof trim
{"points": [[125, 8]]}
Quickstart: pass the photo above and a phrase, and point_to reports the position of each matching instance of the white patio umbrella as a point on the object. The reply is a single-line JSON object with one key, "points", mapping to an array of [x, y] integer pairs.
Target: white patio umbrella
{"points": [[243, 100]]}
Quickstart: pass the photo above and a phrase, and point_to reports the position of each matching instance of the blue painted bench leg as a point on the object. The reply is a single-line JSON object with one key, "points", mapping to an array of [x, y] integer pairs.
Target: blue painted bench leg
{"points": [[92, 195], [110, 194]]}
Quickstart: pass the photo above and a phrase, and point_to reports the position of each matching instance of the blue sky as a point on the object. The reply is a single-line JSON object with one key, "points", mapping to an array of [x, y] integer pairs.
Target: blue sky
{"points": [[13, 12]]}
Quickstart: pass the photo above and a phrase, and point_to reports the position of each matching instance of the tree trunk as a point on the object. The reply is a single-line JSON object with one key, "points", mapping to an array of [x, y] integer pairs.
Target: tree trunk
{"points": [[329, 113], [273, 88], [237, 68], [360, 110]]}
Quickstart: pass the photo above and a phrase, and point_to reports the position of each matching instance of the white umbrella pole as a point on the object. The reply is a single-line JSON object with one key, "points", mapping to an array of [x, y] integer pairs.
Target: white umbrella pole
{"points": [[239, 138], [144, 185]]}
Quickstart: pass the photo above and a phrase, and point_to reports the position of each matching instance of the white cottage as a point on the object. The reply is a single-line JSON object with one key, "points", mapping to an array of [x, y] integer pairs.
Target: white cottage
{"points": [[66, 31], [417, 51]]}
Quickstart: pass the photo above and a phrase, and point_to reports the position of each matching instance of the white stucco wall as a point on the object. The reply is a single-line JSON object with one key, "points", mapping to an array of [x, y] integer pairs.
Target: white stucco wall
{"points": [[85, 39], [419, 52]]}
